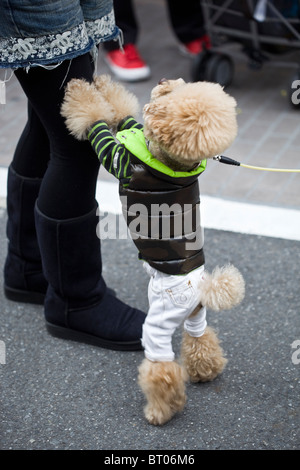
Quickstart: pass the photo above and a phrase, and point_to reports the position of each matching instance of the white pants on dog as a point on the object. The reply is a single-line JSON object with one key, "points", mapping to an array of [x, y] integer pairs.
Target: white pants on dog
{"points": [[172, 299]]}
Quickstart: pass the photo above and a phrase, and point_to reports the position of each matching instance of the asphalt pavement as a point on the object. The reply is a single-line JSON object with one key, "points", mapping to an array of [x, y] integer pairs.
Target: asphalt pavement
{"points": [[61, 395]]}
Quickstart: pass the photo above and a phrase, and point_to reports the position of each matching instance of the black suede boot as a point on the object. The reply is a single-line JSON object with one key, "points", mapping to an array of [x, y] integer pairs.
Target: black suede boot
{"points": [[78, 305], [23, 277]]}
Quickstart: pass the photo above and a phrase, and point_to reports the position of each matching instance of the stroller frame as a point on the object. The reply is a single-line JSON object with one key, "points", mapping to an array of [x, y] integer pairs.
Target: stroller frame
{"points": [[216, 65], [257, 39]]}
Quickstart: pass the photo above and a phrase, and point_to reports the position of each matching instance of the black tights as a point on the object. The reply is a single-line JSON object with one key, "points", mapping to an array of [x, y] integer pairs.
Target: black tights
{"points": [[69, 167]]}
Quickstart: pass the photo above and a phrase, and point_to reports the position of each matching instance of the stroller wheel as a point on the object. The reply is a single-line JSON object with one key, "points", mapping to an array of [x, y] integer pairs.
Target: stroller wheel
{"points": [[213, 67], [199, 65], [219, 69]]}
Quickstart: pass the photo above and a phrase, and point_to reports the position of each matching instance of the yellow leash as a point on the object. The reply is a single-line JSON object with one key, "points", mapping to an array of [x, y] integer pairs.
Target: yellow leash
{"points": [[230, 161]]}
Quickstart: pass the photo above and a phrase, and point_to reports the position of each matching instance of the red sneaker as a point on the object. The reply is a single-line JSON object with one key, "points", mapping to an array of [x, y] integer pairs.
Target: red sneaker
{"points": [[196, 46], [127, 65]]}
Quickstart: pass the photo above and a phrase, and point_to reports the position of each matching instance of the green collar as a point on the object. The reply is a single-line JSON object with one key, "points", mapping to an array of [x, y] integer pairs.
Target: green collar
{"points": [[134, 141]]}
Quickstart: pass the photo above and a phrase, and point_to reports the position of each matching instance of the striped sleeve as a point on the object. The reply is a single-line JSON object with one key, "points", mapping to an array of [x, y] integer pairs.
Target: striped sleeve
{"points": [[129, 123], [114, 157]]}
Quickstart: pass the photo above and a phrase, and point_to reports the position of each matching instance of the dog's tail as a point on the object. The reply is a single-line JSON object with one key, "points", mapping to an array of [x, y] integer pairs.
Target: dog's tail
{"points": [[223, 289]]}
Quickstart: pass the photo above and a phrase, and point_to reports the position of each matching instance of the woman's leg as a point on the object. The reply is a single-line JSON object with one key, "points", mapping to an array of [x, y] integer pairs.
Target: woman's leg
{"points": [[23, 275], [32, 153], [77, 304], [68, 187]]}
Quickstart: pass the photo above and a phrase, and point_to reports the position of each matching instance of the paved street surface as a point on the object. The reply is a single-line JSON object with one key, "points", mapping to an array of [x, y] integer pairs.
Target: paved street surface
{"points": [[62, 395]]}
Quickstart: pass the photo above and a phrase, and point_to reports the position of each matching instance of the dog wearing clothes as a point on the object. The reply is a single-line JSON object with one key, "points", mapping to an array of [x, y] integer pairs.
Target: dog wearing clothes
{"points": [[159, 164]]}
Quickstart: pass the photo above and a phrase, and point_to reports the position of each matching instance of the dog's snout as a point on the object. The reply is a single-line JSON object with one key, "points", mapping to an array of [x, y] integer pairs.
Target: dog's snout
{"points": [[162, 80]]}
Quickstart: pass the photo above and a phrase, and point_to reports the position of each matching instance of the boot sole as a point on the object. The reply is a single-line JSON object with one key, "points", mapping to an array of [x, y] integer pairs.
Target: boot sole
{"points": [[22, 296], [81, 337]]}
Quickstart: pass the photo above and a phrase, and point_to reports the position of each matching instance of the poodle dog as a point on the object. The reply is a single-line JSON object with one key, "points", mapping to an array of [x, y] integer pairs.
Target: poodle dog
{"points": [[158, 165]]}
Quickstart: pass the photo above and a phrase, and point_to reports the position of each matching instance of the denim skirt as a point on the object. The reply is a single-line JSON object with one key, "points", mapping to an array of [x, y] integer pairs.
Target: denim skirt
{"points": [[41, 32]]}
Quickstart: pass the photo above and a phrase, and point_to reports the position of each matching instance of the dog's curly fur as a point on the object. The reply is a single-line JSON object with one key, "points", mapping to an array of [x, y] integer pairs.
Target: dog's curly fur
{"points": [[84, 104], [223, 289], [163, 384], [198, 121], [82, 107], [123, 103], [202, 357], [185, 123]]}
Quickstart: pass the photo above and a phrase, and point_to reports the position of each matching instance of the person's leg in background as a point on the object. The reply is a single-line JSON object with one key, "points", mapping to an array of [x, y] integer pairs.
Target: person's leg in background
{"points": [[125, 20], [77, 305], [127, 64], [188, 25]]}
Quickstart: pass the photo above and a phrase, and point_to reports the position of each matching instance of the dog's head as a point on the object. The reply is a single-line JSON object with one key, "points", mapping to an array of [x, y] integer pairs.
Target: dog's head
{"points": [[190, 121]]}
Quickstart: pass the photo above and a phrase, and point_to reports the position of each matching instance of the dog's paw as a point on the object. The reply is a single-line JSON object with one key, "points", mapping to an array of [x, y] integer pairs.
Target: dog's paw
{"points": [[158, 416], [202, 357], [82, 106], [123, 102], [163, 384]]}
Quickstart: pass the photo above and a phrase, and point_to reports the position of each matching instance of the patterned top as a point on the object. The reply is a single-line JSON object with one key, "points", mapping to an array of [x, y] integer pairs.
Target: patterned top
{"points": [[46, 33]]}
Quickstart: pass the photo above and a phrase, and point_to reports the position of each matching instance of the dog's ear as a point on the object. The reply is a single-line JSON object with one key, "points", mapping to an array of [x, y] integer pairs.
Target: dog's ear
{"points": [[194, 122], [165, 86], [155, 118]]}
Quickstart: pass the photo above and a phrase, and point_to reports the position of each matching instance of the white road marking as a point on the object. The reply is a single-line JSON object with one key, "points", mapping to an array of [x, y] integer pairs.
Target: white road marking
{"points": [[216, 213]]}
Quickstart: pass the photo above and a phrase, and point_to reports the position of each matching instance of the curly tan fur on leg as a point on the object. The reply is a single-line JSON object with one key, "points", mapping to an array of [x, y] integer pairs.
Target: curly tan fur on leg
{"points": [[163, 384], [83, 105], [123, 102], [202, 357]]}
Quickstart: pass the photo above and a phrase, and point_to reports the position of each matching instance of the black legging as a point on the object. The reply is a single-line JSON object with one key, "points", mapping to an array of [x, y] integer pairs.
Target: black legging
{"points": [[186, 19], [46, 149]]}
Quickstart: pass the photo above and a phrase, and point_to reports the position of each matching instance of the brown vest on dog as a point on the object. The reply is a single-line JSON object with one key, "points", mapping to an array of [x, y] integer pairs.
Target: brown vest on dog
{"points": [[162, 213]]}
